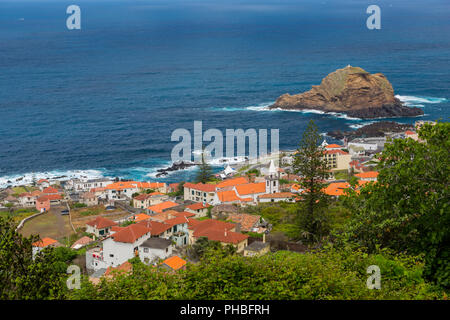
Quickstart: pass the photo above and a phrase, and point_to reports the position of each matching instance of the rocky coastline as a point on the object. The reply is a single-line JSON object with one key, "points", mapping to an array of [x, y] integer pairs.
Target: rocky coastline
{"points": [[351, 91], [377, 129]]}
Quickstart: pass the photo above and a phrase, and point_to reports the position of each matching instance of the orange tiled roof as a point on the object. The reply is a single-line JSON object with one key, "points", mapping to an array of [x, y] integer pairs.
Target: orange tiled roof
{"points": [[368, 174], [337, 188], [42, 181], [175, 262], [158, 208], [44, 242], [331, 146], [232, 182], [251, 188], [131, 233], [141, 216], [101, 223], [409, 132], [228, 196], [201, 186]]}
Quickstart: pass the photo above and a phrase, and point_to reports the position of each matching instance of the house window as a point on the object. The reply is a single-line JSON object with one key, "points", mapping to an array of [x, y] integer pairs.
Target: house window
{"points": [[146, 250], [167, 250], [111, 255]]}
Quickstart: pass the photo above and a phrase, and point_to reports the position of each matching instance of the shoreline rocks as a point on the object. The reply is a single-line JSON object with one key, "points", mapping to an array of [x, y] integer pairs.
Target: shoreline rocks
{"points": [[376, 129], [174, 167]]}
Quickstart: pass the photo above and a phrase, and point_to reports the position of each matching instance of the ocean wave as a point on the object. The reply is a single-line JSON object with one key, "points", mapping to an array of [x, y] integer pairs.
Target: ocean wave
{"points": [[413, 101], [55, 175]]}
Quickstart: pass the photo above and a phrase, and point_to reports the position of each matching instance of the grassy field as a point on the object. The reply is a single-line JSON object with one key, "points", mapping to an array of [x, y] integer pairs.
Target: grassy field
{"points": [[50, 224], [82, 215]]}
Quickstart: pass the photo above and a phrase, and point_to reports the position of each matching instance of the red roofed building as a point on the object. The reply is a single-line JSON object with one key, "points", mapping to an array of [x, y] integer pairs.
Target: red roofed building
{"points": [[44, 243], [216, 230], [199, 192], [50, 190], [337, 160], [199, 209], [160, 207], [174, 263], [367, 176], [100, 226]]}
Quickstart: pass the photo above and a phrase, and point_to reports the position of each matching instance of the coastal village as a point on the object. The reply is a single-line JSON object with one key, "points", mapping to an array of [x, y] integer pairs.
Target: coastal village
{"points": [[115, 220]]}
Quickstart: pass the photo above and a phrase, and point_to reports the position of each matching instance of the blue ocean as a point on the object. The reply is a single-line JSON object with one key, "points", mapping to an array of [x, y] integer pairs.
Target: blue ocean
{"points": [[104, 100]]}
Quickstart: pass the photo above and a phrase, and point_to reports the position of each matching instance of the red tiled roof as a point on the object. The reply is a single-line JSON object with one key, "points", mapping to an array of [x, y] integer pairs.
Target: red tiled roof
{"points": [[125, 267], [131, 233], [210, 224], [101, 223], [49, 190], [155, 227], [49, 197], [221, 235], [142, 197], [197, 206], [82, 241], [247, 221], [42, 181], [175, 221]]}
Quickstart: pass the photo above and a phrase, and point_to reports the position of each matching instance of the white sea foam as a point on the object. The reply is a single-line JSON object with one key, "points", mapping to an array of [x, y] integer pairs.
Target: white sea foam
{"points": [[55, 175], [414, 101]]}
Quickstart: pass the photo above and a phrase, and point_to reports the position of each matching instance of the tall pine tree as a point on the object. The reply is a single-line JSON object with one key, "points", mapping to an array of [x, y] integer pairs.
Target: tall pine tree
{"points": [[205, 172], [312, 167]]}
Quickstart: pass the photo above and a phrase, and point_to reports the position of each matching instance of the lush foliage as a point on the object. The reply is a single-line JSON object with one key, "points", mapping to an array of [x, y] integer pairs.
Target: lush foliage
{"points": [[408, 208], [329, 274], [21, 277]]}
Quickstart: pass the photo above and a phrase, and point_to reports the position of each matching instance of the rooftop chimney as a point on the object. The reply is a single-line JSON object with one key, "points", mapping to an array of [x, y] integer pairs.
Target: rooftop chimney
{"points": [[225, 232], [264, 237]]}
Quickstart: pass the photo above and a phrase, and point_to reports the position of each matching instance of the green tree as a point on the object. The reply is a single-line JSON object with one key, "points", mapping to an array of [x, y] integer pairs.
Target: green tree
{"points": [[23, 277], [205, 172], [311, 165], [408, 208]]}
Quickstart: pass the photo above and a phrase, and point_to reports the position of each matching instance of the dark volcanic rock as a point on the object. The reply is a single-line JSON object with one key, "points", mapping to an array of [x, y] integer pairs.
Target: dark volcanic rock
{"points": [[352, 91], [376, 129]]}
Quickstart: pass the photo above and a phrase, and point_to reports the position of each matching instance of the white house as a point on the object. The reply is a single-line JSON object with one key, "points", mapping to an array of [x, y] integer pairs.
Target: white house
{"points": [[154, 249], [124, 244], [79, 185], [100, 226]]}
